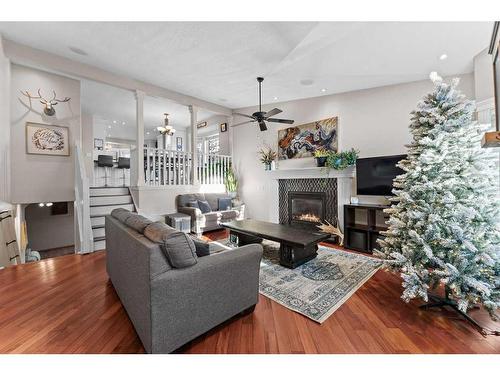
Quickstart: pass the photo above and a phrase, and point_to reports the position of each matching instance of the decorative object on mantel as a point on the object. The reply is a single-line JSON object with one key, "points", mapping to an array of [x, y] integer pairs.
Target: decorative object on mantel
{"points": [[48, 109], [326, 227], [321, 155], [45, 139], [166, 129], [303, 140], [342, 160], [231, 182], [267, 157], [443, 228]]}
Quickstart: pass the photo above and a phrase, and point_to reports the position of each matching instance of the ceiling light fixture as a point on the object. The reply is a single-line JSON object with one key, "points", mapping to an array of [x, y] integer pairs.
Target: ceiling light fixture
{"points": [[275, 98], [49, 204], [114, 121], [444, 56], [166, 128], [123, 122], [323, 90], [147, 133], [41, 204], [109, 126]]}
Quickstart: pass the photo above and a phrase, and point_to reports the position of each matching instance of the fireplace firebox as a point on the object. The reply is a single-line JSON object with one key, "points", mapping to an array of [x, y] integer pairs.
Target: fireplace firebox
{"points": [[306, 209]]}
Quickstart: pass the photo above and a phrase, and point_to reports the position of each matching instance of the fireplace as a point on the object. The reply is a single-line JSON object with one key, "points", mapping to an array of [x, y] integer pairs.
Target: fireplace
{"points": [[306, 208]]}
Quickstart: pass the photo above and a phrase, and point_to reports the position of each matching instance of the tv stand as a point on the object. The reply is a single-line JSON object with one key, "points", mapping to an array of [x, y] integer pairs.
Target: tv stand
{"points": [[363, 224]]}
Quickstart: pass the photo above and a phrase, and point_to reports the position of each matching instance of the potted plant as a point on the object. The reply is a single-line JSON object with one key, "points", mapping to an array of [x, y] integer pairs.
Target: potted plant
{"points": [[321, 155], [267, 157], [231, 183], [342, 160]]}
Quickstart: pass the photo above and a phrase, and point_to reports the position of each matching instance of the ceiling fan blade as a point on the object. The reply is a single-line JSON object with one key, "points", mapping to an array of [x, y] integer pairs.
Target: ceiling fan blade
{"points": [[242, 123], [280, 120], [262, 126], [244, 115], [272, 112]]}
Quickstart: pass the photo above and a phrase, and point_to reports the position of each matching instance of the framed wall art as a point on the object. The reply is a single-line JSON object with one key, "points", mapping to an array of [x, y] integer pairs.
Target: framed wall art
{"points": [[43, 139]]}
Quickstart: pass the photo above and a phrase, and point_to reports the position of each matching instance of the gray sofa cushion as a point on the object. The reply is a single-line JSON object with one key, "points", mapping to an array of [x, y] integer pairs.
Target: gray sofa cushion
{"points": [[193, 204], [180, 250], [121, 214], [158, 232], [202, 247], [137, 222], [183, 199], [213, 199]]}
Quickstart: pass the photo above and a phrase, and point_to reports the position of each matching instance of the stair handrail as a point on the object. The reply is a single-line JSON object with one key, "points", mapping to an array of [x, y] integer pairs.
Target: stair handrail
{"points": [[85, 240]]}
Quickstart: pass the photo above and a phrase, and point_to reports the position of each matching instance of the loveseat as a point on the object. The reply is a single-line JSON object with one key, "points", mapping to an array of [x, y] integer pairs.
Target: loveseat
{"points": [[170, 305], [206, 221]]}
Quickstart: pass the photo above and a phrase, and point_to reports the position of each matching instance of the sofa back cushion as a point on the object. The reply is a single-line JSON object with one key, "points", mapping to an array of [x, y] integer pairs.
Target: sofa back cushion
{"points": [[180, 250], [205, 207], [137, 222], [213, 199], [158, 232], [121, 214], [183, 199]]}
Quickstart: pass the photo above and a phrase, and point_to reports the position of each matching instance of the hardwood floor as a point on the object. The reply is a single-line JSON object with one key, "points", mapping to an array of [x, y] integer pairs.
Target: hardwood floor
{"points": [[67, 305]]}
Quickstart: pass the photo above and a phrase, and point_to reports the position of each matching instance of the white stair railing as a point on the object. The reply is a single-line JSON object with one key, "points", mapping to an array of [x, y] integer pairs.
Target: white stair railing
{"points": [[84, 239], [168, 167]]}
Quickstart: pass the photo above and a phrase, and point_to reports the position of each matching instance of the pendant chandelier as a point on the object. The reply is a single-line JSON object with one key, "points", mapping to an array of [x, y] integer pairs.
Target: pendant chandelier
{"points": [[166, 129]]}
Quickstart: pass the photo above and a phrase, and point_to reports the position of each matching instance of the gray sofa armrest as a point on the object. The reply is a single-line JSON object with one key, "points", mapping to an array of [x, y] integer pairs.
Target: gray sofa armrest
{"points": [[197, 218], [187, 302]]}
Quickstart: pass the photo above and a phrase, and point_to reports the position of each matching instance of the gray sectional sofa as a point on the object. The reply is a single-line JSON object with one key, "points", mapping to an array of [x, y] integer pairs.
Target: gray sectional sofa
{"points": [[171, 306], [203, 222]]}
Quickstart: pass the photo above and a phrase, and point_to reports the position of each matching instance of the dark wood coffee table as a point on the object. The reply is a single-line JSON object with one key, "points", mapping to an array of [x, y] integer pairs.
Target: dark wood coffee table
{"points": [[297, 246]]}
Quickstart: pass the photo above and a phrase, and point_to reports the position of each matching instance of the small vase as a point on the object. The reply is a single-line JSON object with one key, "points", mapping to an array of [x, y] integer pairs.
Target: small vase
{"points": [[321, 161], [267, 167]]}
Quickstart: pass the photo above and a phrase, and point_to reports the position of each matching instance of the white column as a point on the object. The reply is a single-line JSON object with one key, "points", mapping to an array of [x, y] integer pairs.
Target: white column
{"points": [[194, 134], [139, 96]]}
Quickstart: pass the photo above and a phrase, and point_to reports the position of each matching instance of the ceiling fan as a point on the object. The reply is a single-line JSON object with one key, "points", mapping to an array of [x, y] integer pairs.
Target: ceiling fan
{"points": [[166, 129], [262, 117]]}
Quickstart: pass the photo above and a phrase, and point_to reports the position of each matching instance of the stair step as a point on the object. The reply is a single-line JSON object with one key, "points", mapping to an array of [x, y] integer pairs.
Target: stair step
{"points": [[106, 210], [107, 191], [99, 232], [99, 245], [97, 221], [109, 200]]}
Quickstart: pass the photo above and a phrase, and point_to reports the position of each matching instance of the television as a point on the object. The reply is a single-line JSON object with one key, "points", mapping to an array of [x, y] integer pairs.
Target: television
{"points": [[374, 175]]}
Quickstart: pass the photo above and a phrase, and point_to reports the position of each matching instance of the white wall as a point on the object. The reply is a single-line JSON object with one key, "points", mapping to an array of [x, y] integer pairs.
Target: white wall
{"points": [[41, 178], [483, 76], [374, 121], [4, 126]]}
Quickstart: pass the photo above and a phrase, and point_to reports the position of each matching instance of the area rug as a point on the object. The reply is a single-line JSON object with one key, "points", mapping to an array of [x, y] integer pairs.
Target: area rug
{"points": [[317, 288]]}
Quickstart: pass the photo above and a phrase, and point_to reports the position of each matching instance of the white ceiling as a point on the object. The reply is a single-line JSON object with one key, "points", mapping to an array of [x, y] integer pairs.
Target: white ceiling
{"points": [[218, 61], [117, 107]]}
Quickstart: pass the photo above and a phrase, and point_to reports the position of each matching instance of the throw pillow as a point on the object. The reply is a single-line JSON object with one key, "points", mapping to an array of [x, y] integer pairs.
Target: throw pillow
{"points": [[193, 204], [158, 232], [180, 250], [204, 207], [202, 247], [224, 204]]}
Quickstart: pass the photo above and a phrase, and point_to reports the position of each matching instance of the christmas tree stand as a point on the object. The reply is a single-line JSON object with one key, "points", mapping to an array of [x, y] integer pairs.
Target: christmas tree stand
{"points": [[438, 301]]}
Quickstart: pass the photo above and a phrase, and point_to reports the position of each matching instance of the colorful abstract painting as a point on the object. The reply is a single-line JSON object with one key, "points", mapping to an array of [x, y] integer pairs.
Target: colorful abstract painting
{"points": [[301, 141]]}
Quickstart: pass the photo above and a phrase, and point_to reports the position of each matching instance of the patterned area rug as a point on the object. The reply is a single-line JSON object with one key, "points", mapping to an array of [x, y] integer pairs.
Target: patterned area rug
{"points": [[317, 288]]}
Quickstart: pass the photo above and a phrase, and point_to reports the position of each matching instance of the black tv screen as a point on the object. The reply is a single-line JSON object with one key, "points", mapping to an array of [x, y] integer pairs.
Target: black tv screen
{"points": [[374, 175]]}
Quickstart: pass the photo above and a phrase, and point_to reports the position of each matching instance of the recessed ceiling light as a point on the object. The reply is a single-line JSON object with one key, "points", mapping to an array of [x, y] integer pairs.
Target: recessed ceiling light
{"points": [[147, 133], [275, 98], [41, 204], [123, 122], [78, 51], [306, 82], [114, 121], [48, 204], [444, 56], [323, 90], [109, 126]]}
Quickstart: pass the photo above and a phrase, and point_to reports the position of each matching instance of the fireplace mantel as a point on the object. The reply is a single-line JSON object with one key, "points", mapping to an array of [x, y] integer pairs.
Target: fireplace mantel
{"points": [[311, 172]]}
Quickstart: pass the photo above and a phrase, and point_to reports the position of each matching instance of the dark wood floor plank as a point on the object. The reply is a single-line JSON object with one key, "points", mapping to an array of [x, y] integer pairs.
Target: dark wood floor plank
{"points": [[67, 305]]}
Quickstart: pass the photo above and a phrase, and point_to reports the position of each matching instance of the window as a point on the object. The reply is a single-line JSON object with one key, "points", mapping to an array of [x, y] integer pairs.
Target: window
{"points": [[213, 144]]}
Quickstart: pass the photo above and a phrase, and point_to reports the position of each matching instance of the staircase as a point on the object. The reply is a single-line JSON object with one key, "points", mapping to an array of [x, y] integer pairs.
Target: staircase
{"points": [[103, 200]]}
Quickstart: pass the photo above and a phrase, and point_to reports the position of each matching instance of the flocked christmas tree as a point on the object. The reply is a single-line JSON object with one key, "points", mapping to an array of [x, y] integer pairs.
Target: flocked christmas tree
{"points": [[444, 225]]}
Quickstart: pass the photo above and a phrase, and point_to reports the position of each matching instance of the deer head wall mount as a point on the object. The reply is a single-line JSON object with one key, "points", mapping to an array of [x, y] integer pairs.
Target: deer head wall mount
{"points": [[49, 109]]}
